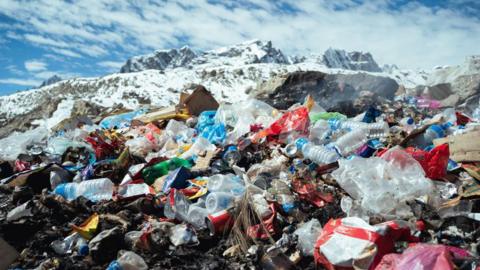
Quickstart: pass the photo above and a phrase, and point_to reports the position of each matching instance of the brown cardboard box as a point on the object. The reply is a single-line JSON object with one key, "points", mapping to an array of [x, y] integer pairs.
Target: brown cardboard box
{"points": [[463, 147]]}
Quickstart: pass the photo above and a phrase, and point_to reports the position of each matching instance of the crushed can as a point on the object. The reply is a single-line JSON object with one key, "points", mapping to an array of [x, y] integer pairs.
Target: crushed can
{"points": [[220, 222]]}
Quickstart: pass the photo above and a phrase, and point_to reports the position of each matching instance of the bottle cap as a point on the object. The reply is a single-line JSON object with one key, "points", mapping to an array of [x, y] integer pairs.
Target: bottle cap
{"points": [[410, 121]]}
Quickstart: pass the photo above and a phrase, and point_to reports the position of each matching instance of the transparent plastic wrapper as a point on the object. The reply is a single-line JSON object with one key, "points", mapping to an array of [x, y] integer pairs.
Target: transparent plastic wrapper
{"points": [[307, 236], [58, 145], [120, 120], [241, 115], [140, 146], [261, 205], [383, 185], [197, 215], [181, 234], [200, 145], [17, 142], [274, 166], [179, 131]]}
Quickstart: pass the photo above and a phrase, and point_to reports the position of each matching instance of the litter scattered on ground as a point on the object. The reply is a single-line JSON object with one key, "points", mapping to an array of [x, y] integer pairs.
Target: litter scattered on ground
{"points": [[209, 185]]}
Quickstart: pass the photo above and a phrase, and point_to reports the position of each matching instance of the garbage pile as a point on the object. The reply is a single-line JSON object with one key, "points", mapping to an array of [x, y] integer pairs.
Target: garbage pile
{"points": [[235, 186]]}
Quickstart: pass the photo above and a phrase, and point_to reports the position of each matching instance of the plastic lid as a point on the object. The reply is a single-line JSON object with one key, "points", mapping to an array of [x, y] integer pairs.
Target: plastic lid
{"points": [[60, 190]]}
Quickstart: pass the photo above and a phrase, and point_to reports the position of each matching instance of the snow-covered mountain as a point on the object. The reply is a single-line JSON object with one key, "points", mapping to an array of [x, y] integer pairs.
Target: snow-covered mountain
{"points": [[230, 73], [50, 80]]}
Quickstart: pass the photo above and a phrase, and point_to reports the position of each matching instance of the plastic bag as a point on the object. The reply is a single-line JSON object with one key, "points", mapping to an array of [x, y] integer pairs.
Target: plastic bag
{"points": [[307, 235], [17, 143], [140, 146], [384, 185], [420, 256], [120, 120], [434, 162], [352, 243], [293, 123]]}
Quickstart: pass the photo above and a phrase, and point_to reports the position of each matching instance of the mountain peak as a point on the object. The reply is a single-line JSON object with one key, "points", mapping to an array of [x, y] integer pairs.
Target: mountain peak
{"points": [[50, 80], [355, 60]]}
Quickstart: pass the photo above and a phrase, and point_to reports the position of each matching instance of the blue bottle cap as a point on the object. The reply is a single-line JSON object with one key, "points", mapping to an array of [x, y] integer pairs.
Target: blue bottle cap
{"points": [[300, 143], [410, 121], [83, 250]]}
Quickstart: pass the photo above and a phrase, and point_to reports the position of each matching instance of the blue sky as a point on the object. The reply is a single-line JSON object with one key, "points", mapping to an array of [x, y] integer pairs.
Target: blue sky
{"points": [[94, 37]]}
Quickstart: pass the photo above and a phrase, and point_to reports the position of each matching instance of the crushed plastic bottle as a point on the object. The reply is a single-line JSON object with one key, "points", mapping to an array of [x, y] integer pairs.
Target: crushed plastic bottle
{"points": [[284, 195], [350, 142], [94, 190], [218, 201], [408, 124], [316, 153]]}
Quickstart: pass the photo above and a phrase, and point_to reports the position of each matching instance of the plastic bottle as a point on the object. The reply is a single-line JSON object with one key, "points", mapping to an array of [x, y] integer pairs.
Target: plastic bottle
{"points": [[94, 190], [284, 195], [408, 124], [351, 141], [226, 183], [197, 215], [128, 260], [316, 153], [433, 132], [378, 130], [162, 168], [218, 201]]}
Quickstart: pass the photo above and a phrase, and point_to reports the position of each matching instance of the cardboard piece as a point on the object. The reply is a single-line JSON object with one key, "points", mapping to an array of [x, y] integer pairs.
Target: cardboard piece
{"points": [[7, 254], [463, 147], [198, 101]]}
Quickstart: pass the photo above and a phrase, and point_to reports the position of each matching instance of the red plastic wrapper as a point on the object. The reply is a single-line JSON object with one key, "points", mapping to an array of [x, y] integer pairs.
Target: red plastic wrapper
{"points": [[21, 166], [308, 192], [462, 119], [420, 256], [434, 162], [267, 228], [295, 121], [351, 243]]}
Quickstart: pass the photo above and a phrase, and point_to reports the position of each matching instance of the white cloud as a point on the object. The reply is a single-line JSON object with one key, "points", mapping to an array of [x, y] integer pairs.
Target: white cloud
{"points": [[412, 35], [111, 65], [22, 82], [35, 65], [65, 52]]}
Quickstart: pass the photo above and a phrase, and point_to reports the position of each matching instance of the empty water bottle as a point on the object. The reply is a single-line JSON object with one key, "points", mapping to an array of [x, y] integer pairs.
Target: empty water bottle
{"points": [[218, 201], [284, 195], [229, 183], [351, 141], [94, 190], [378, 130], [316, 153]]}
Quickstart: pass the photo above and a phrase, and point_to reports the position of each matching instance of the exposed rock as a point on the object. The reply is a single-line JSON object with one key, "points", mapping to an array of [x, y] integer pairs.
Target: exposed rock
{"points": [[160, 59], [334, 58], [329, 90], [51, 80]]}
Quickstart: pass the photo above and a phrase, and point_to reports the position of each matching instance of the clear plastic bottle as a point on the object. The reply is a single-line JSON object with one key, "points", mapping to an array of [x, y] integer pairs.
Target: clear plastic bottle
{"points": [[351, 141], [94, 190], [316, 153], [284, 195], [197, 215], [226, 183], [218, 201], [378, 130]]}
